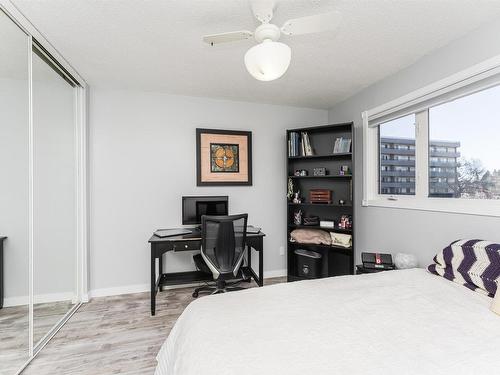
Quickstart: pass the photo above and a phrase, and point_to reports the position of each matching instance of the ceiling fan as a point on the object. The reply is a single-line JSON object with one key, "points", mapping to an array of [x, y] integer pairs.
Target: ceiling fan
{"points": [[270, 59]]}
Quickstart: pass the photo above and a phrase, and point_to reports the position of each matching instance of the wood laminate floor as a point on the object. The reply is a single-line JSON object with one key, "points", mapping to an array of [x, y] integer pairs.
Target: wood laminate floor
{"points": [[13, 338], [14, 331], [115, 335]]}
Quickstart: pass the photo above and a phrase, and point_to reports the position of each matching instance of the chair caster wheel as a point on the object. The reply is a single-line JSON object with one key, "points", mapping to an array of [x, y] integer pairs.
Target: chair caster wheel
{"points": [[195, 294], [249, 280]]}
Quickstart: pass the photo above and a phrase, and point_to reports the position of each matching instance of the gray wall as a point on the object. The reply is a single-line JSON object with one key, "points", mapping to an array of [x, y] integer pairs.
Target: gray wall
{"points": [[142, 151], [418, 232]]}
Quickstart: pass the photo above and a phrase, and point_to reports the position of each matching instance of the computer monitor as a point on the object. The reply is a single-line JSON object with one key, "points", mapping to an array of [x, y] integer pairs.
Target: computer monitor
{"points": [[194, 207]]}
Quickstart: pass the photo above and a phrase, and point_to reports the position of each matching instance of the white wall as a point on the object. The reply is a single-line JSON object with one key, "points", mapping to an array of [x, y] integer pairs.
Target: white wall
{"points": [[142, 160], [418, 232]]}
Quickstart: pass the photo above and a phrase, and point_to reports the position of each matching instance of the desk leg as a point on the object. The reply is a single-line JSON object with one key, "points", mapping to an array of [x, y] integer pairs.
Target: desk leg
{"points": [[1, 273], [249, 256], [153, 281], [160, 267], [261, 262]]}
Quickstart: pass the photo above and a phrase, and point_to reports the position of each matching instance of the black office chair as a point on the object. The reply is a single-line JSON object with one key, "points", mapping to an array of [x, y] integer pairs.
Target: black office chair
{"points": [[223, 244]]}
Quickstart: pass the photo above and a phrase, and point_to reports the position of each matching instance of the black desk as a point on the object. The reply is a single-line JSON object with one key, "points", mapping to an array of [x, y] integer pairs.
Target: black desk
{"points": [[190, 242], [1, 270]]}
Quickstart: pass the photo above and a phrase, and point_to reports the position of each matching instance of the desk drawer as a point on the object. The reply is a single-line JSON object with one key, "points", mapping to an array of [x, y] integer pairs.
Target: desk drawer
{"points": [[187, 245]]}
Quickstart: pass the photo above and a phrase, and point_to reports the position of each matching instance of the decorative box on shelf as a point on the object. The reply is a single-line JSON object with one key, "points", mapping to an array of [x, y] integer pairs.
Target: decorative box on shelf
{"points": [[320, 196], [319, 171], [327, 224]]}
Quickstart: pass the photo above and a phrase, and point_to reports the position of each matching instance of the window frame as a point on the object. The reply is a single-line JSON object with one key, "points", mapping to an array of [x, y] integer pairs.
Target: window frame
{"points": [[464, 83], [379, 167]]}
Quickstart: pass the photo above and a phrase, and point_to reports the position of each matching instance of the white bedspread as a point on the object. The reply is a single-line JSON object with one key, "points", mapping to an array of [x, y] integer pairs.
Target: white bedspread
{"points": [[397, 322]]}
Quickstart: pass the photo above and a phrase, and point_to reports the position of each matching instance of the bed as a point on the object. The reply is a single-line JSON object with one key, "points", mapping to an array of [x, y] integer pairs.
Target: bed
{"points": [[397, 322]]}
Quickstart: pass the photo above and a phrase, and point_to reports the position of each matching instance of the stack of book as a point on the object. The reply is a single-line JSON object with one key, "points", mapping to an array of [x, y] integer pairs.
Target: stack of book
{"points": [[342, 145], [299, 144]]}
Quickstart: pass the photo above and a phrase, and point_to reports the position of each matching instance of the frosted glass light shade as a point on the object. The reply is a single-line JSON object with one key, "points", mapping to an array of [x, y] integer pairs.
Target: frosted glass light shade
{"points": [[268, 60]]}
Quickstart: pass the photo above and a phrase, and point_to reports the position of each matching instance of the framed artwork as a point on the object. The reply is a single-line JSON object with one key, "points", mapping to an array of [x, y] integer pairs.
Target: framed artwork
{"points": [[223, 157]]}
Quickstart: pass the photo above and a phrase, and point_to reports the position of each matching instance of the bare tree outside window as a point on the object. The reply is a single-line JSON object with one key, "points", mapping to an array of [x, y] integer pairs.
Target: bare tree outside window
{"points": [[464, 161]]}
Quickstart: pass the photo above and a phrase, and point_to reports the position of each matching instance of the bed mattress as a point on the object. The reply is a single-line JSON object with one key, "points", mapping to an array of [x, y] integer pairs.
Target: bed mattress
{"points": [[397, 322]]}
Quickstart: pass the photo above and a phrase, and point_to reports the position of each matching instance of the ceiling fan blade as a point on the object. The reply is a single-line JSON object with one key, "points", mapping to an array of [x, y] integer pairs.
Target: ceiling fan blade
{"points": [[312, 24], [232, 36]]}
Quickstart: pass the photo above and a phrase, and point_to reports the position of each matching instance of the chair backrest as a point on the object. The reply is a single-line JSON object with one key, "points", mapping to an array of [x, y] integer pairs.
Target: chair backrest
{"points": [[223, 240]]}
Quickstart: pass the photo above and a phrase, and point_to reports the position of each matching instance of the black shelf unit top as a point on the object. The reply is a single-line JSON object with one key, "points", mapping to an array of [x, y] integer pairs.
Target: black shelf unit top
{"points": [[336, 260], [346, 126]]}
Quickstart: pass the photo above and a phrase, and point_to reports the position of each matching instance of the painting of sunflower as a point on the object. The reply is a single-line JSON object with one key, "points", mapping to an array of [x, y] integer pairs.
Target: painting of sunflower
{"points": [[224, 158]]}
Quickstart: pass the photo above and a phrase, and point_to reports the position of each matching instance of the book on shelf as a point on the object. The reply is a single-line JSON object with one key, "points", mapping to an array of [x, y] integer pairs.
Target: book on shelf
{"points": [[308, 151], [293, 142], [342, 145], [299, 144]]}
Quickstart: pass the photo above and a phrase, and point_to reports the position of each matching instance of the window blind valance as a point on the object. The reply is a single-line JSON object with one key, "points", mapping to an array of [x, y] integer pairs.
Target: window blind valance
{"points": [[477, 78]]}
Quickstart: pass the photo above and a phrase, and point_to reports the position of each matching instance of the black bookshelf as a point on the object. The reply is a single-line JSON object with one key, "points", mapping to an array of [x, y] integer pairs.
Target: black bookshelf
{"points": [[336, 260]]}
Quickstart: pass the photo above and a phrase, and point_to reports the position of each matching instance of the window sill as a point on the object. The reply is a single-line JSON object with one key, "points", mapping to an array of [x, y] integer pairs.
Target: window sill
{"points": [[448, 205]]}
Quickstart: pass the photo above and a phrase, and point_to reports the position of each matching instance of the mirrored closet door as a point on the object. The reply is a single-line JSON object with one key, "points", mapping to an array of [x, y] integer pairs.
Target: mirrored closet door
{"points": [[42, 219], [14, 197], [54, 195]]}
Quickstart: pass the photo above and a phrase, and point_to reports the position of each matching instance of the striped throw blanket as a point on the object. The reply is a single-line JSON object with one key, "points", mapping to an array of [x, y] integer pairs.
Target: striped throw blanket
{"points": [[472, 263]]}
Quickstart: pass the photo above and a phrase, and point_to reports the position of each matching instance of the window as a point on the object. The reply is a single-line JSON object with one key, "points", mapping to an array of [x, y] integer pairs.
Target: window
{"points": [[436, 149], [395, 161], [466, 129]]}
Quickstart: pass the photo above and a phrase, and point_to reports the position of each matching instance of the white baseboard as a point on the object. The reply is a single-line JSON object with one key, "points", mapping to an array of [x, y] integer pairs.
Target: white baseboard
{"points": [[40, 298], [140, 288], [274, 273], [119, 290], [15, 301], [85, 298]]}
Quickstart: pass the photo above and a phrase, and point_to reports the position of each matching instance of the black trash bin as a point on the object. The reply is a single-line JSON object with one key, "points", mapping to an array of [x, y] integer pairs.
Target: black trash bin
{"points": [[308, 263]]}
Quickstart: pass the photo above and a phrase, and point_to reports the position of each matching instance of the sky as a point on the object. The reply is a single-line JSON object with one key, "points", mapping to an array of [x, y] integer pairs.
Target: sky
{"points": [[474, 121]]}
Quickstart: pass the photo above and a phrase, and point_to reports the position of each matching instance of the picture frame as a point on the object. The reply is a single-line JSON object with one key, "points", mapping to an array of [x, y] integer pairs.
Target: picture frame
{"points": [[223, 157]]}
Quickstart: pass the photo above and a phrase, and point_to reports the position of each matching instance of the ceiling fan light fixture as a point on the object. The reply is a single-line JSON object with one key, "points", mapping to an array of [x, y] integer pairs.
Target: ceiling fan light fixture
{"points": [[268, 60]]}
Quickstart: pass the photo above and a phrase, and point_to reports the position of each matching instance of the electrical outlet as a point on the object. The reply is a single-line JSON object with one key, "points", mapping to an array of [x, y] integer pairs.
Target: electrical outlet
{"points": [[282, 250]]}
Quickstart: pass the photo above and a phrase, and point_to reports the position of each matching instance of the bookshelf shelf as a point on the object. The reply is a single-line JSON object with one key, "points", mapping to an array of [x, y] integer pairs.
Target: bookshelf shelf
{"points": [[325, 156], [336, 230], [320, 204], [316, 246], [320, 142], [345, 177]]}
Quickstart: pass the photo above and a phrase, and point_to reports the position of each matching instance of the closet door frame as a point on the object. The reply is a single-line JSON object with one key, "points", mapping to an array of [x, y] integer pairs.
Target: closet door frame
{"points": [[37, 40]]}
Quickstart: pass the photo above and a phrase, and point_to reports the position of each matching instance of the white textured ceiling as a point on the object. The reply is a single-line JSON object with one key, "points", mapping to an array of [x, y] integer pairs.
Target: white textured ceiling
{"points": [[155, 45]]}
